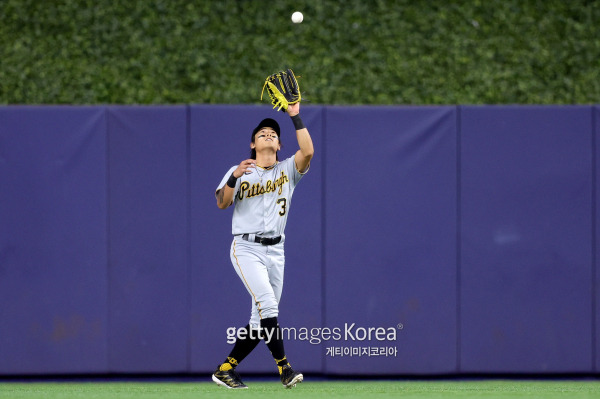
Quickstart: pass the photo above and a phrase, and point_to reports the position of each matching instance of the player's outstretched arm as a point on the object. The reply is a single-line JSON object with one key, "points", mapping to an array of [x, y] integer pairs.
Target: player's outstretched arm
{"points": [[307, 150], [225, 194]]}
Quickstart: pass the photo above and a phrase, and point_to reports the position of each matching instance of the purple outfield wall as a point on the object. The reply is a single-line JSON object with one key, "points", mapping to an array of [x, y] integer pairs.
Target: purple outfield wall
{"points": [[423, 240]]}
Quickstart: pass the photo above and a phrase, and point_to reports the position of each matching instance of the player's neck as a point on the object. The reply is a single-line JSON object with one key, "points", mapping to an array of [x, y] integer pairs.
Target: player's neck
{"points": [[266, 160]]}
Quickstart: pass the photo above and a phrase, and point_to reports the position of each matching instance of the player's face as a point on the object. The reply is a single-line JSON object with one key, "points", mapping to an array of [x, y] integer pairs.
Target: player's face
{"points": [[266, 137], [267, 134]]}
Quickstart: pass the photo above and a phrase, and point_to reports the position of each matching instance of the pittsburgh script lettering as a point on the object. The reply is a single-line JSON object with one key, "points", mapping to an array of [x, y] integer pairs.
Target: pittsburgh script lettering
{"points": [[249, 191]]}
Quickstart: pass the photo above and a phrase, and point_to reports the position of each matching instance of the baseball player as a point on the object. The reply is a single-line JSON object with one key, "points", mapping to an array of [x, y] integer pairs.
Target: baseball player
{"points": [[261, 190]]}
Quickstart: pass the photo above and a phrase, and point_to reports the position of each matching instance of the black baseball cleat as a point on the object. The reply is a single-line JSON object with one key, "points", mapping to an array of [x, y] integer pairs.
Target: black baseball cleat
{"points": [[229, 379], [289, 378]]}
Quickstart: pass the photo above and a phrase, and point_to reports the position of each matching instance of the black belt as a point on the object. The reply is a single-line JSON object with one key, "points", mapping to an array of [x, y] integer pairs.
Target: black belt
{"points": [[263, 240]]}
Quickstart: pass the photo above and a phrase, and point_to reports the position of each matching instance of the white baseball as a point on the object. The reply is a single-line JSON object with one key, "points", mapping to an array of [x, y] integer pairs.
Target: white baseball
{"points": [[297, 17]]}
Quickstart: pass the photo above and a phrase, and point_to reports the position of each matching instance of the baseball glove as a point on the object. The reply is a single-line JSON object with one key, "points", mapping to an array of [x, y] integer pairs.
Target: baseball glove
{"points": [[283, 89]]}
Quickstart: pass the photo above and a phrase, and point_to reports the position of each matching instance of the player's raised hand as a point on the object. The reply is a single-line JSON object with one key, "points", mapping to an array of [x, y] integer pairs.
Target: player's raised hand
{"points": [[293, 109], [244, 167]]}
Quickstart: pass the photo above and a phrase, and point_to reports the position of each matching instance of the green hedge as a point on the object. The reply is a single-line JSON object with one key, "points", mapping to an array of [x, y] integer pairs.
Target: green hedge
{"points": [[347, 52]]}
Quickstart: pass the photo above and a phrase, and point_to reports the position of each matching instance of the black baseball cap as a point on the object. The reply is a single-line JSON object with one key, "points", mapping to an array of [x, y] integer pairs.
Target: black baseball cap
{"points": [[268, 122]]}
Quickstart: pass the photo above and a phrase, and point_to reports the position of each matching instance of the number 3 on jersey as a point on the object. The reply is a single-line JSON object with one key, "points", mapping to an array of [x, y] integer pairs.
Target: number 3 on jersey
{"points": [[283, 203]]}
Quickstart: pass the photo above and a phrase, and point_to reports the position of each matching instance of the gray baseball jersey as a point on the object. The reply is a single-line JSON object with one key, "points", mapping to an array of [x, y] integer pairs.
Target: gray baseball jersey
{"points": [[262, 198]]}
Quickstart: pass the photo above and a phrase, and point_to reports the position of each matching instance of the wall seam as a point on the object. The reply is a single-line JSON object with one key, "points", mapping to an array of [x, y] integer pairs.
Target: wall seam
{"points": [[458, 238], [594, 236], [108, 243], [188, 205], [323, 225]]}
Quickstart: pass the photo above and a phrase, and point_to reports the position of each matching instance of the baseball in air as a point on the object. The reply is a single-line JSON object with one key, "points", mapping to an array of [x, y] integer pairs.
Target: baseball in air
{"points": [[297, 17]]}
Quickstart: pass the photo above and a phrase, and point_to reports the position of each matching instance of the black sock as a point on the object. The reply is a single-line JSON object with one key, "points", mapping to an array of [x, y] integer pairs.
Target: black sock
{"points": [[243, 346], [274, 339]]}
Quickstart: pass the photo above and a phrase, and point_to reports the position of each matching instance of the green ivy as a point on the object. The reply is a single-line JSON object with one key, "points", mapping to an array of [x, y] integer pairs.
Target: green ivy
{"points": [[347, 52]]}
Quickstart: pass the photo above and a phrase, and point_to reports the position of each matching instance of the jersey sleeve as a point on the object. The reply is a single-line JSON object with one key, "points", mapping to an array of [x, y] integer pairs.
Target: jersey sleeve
{"points": [[293, 171], [226, 177]]}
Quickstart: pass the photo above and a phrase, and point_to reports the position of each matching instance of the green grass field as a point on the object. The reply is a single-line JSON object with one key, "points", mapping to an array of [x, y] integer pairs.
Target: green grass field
{"points": [[489, 389]]}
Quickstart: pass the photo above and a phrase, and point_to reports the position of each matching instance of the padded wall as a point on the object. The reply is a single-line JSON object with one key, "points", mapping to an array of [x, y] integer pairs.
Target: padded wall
{"points": [[390, 216], [526, 243], [53, 282], [468, 234], [148, 264]]}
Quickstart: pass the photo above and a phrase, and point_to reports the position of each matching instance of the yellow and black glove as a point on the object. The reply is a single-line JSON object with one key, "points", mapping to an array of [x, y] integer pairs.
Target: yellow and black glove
{"points": [[283, 89]]}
